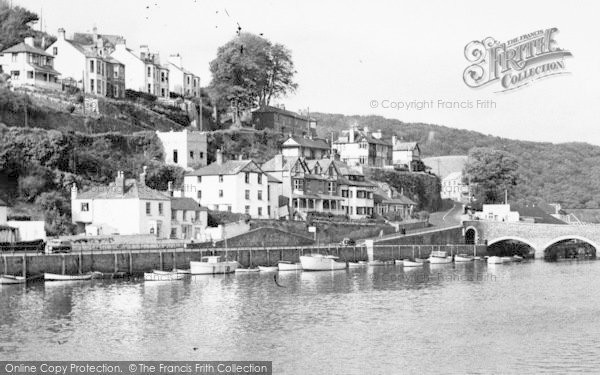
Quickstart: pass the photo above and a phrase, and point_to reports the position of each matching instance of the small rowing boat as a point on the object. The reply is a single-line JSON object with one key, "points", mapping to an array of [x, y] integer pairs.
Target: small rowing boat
{"points": [[439, 257], [183, 271], [356, 265], [463, 258], [246, 270], [410, 263], [289, 266], [376, 262], [494, 260], [163, 276], [10, 279], [58, 277], [517, 258], [399, 262], [319, 262], [268, 268]]}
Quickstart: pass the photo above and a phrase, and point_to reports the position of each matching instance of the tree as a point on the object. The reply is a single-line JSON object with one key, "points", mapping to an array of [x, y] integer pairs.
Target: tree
{"points": [[491, 172], [251, 71], [57, 213], [15, 26], [159, 178]]}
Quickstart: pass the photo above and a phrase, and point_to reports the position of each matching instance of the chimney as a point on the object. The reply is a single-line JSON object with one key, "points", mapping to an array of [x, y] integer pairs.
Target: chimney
{"points": [[73, 191], [219, 160], [29, 41], [61, 34], [143, 176], [120, 181], [176, 59]]}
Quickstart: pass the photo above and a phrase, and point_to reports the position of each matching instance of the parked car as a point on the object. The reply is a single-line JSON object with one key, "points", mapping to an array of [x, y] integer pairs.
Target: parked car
{"points": [[56, 245], [348, 242]]}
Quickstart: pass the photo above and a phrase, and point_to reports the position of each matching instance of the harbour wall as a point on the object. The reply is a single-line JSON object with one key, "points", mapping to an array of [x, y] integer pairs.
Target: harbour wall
{"points": [[135, 262]]}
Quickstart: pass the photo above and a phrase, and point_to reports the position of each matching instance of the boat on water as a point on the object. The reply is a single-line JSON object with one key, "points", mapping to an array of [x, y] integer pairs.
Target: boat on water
{"points": [[268, 268], [410, 263], [422, 260], [463, 258], [399, 262], [289, 266], [246, 270], [376, 262], [477, 257], [356, 264], [439, 257], [10, 279], [185, 271], [59, 277], [319, 262], [494, 260], [163, 276], [212, 264], [507, 259], [517, 258]]}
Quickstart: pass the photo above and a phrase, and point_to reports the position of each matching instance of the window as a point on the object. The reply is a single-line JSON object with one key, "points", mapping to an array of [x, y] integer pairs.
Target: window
{"points": [[344, 193], [30, 74], [220, 193], [363, 160], [91, 66], [247, 210], [55, 51], [162, 92], [199, 194], [173, 215], [201, 155], [199, 179], [247, 177], [148, 208], [149, 72], [173, 232], [247, 194], [260, 211], [220, 178], [260, 178], [91, 85], [85, 207], [175, 156], [298, 184], [228, 208], [269, 210], [13, 57], [160, 209], [191, 152], [364, 145], [116, 73], [99, 87], [331, 187], [260, 195], [149, 89]]}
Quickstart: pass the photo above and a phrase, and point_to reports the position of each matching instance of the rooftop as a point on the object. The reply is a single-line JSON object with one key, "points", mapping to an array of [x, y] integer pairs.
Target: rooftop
{"points": [[229, 167], [307, 142], [405, 146], [132, 190], [24, 47], [186, 204], [285, 112]]}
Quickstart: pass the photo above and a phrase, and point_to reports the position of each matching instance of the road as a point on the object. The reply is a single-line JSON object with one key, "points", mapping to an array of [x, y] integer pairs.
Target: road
{"points": [[448, 218]]}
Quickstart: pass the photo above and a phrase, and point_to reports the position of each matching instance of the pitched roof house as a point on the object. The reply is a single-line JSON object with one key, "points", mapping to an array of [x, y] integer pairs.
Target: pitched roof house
{"points": [[28, 65]]}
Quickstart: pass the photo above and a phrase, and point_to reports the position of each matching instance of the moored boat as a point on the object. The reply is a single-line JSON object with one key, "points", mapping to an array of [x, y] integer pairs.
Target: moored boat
{"points": [[517, 258], [268, 268], [10, 279], [212, 264], [58, 277], [410, 263], [507, 259], [289, 266], [399, 262], [183, 271], [356, 265], [439, 257], [462, 258], [246, 270], [422, 260], [319, 262], [376, 262], [163, 276], [494, 260]]}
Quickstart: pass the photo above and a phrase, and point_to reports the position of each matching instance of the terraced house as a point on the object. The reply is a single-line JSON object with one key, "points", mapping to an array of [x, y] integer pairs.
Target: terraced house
{"points": [[359, 148], [87, 62]]}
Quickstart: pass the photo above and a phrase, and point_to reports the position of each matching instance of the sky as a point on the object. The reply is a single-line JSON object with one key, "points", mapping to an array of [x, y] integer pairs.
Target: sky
{"points": [[358, 57]]}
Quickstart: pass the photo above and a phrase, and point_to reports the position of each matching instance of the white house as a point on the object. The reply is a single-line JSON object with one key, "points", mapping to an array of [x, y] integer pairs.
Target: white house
{"points": [[188, 219], [126, 206], [187, 149], [89, 64], [357, 192], [361, 148], [296, 147], [498, 212], [28, 65], [144, 70], [236, 186], [453, 187], [405, 153], [183, 82]]}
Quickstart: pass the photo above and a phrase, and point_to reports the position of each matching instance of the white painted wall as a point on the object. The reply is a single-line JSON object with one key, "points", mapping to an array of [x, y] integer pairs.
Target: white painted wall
{"points": [[29, 230], [135, 69], [3, 214], [191, 146]]}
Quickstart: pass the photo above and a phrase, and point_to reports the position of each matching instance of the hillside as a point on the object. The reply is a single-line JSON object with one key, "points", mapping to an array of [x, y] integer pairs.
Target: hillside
{"points": [[567, 173]]}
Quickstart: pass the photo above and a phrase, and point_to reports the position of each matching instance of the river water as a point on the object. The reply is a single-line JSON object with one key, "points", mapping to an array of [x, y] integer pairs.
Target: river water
{"points": [[458, 318]]}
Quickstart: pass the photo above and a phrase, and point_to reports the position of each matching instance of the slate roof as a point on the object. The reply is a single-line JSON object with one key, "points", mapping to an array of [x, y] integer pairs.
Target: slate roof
{"points": [[272, 178], [539, 215], [405, 146], [24, 47], [279, 163], [229, 167], [132, 190], [186, 204], [309, 143]]}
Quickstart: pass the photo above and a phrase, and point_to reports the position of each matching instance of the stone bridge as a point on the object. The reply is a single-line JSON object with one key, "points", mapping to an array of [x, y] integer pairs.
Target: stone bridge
{"points": [[538, 236]]}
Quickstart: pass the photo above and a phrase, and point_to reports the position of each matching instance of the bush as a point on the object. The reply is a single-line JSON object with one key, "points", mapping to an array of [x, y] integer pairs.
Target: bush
{"points": [[71, 108]]}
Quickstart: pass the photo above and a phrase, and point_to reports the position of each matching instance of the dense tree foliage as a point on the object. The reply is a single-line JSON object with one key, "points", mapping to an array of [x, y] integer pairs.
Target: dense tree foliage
{"points": [[491, 174], [251, 71], [15, 25]]}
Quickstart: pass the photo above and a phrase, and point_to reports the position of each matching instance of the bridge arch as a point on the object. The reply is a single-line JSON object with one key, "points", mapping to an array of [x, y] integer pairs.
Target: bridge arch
{"points": [[513, 238], [570, 237]]}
